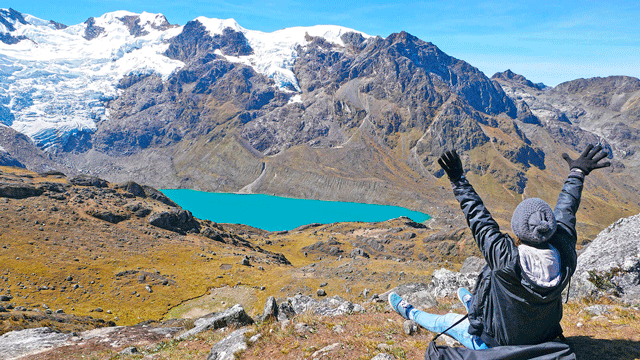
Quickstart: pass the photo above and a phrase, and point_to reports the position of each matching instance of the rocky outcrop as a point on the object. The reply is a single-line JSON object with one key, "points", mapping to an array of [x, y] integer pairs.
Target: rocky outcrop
{"points": [[333, 306], [610, 266], [178, 220], [7, 19], [16, 344], [91, 30], [144, 191], [107, 215], [87, 180], [19, 191], [300, 304], [444, 283]]}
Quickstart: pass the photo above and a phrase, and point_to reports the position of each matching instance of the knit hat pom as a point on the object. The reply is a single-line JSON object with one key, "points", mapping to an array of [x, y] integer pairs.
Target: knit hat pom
{"points": [[533, 221]]}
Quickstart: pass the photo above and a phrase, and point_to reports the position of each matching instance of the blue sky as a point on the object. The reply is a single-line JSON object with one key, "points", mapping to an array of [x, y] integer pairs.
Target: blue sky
{"points": [[546, 41]]}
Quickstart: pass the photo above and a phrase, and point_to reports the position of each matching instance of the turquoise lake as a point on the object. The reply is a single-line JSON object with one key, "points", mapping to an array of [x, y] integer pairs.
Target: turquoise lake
{"points": [[274, 213]]}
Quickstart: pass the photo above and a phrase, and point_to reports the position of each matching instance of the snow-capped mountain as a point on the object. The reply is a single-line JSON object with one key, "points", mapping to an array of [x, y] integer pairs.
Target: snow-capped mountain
{"points": [[274, 53], [55, 79]]}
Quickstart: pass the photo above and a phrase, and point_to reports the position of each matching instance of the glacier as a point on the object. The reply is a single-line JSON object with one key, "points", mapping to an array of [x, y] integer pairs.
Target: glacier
{"points": [[56, 80], [275, 52]]}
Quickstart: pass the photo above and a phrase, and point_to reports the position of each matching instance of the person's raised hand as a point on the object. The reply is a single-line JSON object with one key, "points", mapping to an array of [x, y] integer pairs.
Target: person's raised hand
{"points": [[451, 164], [589, 160]]}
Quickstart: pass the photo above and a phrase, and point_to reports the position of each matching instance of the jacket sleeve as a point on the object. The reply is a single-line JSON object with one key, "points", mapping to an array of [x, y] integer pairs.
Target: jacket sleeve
{"points": [[568, 204], [496, 247]]}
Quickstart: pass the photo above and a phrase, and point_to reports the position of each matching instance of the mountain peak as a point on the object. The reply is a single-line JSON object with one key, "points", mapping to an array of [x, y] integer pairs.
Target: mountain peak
{"points": [[217, 26], [509, 75], [10, 20], [137, 24]]}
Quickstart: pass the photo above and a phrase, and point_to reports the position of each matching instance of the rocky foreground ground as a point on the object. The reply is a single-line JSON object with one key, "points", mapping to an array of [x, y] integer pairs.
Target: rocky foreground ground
{"points": [[91, 269]]}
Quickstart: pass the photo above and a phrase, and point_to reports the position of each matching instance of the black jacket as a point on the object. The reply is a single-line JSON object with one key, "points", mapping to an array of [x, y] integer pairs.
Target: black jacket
{"points": [[508, 308]]}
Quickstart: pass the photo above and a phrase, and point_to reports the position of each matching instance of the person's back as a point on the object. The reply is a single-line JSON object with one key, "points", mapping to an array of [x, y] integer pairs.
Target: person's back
{"points": [[510, 307], [517, 299]]}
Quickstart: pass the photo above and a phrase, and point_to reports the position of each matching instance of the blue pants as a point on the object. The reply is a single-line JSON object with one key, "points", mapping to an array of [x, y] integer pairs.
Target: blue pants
{"points": [[439, 323]]}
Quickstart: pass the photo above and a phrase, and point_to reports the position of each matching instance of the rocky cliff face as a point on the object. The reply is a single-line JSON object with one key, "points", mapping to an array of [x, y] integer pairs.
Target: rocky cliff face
{"points": [[608, 107], [610, 266]]}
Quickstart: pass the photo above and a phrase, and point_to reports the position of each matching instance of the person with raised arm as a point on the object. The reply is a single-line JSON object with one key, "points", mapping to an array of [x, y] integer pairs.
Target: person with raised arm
{"points": [[517, 299]]}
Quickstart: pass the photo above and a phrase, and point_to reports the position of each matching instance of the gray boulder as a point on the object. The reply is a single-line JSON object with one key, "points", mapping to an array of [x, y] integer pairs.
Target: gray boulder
{"points": [[358, 252], [417, 294], [285, 311], [270, 310], [610, 266], [333, 306], [131, 350], [233, 316], [410, 327], [134, 189], [383, 356], [446, 283], [473, 265], [226, 348]]}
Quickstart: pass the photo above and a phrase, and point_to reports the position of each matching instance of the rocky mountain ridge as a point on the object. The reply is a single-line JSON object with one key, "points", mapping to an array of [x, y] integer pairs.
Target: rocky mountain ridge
{"points": [[335, 115]]}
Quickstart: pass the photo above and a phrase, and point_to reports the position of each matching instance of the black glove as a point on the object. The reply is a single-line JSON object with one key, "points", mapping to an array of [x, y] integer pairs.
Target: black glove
{"points": [[588, 161], [451, 164]]}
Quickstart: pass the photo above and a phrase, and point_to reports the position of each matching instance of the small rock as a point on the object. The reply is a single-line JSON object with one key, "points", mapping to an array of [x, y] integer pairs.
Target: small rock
{"points": [[255, 338], [148, 288], [451, 342], [302, 328], [324, 284], [384, 347], [98, 310], [59, 311], [579, 324], [129, 351], [245, 262], [5, 297], [325, 350], [2, 309], [365, 293], [410, 327], [383, 356], [597, 310], [338, 329], [321, 292]]}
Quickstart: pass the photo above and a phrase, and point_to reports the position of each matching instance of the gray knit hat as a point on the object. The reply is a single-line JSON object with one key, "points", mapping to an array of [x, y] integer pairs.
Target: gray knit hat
{"points": [[533, 221]]}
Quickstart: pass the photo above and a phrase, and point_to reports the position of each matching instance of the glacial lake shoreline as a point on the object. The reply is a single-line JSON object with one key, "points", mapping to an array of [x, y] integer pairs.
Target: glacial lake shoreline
{"points": [[276, 213]]}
